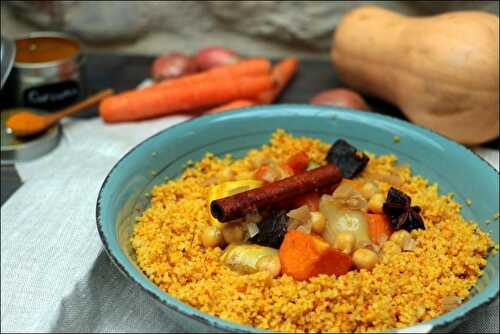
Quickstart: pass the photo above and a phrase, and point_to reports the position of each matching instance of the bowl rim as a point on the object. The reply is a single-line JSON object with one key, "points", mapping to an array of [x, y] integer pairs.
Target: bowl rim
{"points": [[457, 315]]}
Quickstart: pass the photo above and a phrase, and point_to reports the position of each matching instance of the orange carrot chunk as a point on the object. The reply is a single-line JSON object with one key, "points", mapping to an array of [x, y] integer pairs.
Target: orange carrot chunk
{"points": [[232, 105], [298, 162], [379, 227], [304, 256], [282, 73], [144, 104]]}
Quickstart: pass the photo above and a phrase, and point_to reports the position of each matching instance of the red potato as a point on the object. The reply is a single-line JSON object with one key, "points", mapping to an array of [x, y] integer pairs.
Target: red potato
{"points": [[172, 65], [214, 56], [340, 97]]}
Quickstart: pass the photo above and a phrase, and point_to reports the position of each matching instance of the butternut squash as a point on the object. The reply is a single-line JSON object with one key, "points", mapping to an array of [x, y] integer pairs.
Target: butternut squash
{"points": [[441, 71]]}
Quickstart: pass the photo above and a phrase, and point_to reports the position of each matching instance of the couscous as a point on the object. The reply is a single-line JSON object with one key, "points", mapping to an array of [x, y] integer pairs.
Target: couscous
{"points": [[293, 269]]}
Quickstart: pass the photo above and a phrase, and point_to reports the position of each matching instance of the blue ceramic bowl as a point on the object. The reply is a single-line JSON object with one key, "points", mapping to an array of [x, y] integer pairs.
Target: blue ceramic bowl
{"points": [[438, 159]]}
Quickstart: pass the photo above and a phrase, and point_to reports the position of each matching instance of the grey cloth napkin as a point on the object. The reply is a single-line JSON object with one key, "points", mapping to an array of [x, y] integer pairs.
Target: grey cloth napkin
{"points": [[55, 276]]}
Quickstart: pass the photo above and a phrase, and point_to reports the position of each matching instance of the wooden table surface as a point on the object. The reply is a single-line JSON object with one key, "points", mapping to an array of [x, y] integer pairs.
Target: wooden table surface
{"points": [[122, 72]]}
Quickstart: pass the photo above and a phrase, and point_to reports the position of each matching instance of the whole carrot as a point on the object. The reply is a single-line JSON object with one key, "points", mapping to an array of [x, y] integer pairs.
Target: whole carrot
{"points": [[147, 103], [249, 67], [231, 105], [282, 73]]}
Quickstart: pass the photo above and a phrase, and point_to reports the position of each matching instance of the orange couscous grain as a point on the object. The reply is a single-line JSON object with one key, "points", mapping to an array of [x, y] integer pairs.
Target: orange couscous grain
{"points": [[403, 289]]}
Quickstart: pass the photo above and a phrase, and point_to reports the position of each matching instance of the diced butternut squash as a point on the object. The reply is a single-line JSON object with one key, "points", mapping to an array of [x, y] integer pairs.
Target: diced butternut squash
{"points": [[379, 227], [304, 256]]}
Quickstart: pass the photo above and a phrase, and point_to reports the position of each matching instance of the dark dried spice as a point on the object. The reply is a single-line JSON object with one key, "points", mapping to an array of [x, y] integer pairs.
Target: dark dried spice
{"points": [[272, 230], [347, 158], [402, 215]]}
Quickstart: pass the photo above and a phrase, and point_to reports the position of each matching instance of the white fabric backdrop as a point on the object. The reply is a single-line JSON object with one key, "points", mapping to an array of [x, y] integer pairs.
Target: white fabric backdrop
{"points": [[55, 276]]}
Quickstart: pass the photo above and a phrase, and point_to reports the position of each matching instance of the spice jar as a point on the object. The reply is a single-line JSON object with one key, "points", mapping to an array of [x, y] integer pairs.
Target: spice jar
{"points": [[46, 72]]}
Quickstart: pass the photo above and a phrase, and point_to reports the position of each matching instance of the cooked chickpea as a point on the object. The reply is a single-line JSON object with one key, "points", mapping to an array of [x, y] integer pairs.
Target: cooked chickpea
{"points": [[401, 237], [390, 247], [376, 203], [364, 258], [318, 222], [269, 263], [345, 242], [233, 233], [369, 189], [211, 237]]}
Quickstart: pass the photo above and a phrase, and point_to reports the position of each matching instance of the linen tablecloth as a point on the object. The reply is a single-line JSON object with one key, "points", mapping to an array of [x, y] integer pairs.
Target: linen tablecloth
{"points": [[55, 276]]}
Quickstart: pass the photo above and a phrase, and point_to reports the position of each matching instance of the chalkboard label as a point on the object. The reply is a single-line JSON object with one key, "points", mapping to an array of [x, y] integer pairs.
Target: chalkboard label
{"points": [[52, 96]]}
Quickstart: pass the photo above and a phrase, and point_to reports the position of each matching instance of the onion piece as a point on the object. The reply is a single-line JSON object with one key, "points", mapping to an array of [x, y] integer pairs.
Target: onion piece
{"points": [[341, 219], [253, 229], [305, 228], [349, 198], [271, 173], [253, 218], [293, 225], [301, 214], [300, 220]]}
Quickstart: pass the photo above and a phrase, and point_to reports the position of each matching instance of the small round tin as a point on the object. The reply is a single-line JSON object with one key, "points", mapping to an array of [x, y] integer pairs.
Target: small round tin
{"points": [[46, 72], [15, 149], [7, 56]]}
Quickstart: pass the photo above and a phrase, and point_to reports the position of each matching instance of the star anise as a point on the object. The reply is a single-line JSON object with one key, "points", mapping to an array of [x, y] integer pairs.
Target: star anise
{"points": [[402, 215]]}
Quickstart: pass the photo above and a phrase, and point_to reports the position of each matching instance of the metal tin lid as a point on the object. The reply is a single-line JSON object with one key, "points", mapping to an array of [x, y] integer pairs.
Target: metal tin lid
{"points": [[7, 57], [29, 44], [22, 149]]}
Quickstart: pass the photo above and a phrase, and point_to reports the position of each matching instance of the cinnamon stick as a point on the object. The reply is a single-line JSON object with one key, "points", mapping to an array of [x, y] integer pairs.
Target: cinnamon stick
{"points": [[275, 194]]}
